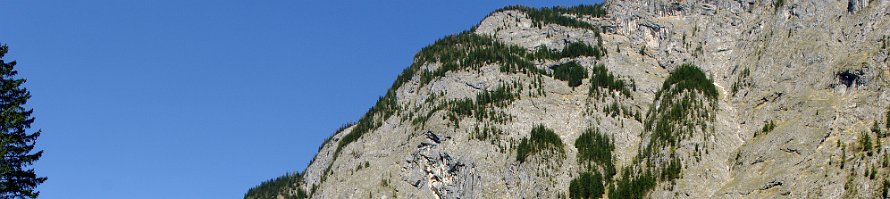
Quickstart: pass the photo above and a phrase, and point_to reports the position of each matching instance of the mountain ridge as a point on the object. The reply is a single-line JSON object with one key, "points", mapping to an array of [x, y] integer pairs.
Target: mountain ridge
{"points": [[694, 98]]}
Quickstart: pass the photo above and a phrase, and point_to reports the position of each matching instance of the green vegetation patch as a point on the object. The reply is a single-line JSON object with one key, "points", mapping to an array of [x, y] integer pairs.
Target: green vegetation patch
{"points": [[595, 158], [631, 186], [571, 72], [615, 110], [486, 132], [672, 170], [462, 107], [501, 97], [575, 49], [557, 15], [587, 185], [274, 187], [637, 185], [541, 140], [866, 143], [595, 148], [340, 129], [578, 49], [685, 103], [767, 127], [689, 77], [603, 82], [677, 116], [470, 51]]}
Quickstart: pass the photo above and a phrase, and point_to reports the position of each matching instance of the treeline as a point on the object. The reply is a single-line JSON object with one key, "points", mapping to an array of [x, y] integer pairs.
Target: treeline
{"points": [[470, 51], [595, 10], [541, 139], [340, 129], [574, 49], [385, 107], [274, 187], [555, 15]]}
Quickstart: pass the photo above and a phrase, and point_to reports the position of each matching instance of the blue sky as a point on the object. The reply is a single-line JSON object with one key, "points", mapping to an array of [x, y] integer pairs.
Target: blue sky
{"points": [[205, 99]]}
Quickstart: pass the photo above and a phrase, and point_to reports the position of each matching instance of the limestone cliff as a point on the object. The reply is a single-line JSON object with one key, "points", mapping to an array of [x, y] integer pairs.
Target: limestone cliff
{"points": [[657, 98]]}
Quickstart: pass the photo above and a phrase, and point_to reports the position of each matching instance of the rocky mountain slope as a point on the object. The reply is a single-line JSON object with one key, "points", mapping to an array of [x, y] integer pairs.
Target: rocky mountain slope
{"points": [[629, 99]]}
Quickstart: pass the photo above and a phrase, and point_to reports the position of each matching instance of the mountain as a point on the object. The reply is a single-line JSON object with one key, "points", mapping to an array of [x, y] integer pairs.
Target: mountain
{"points": [[628, 99]]}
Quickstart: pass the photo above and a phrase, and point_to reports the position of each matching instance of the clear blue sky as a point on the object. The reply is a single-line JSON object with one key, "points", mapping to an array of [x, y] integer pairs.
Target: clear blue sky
{"points": [[205, 99]]}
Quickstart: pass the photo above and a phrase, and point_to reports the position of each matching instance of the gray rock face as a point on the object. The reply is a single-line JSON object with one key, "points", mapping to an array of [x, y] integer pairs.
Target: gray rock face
{"points": [[815, 69], [429, 167]]}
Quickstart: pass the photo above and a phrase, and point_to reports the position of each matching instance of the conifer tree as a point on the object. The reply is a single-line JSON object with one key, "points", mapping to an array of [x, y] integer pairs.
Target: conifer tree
{"points": [[17, 179]]}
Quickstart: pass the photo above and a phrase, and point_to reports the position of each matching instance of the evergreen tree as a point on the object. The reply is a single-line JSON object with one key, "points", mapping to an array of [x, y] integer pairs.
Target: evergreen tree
{"points": [[571, 72], [588, 185], [866, 143], [17, 180]]}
